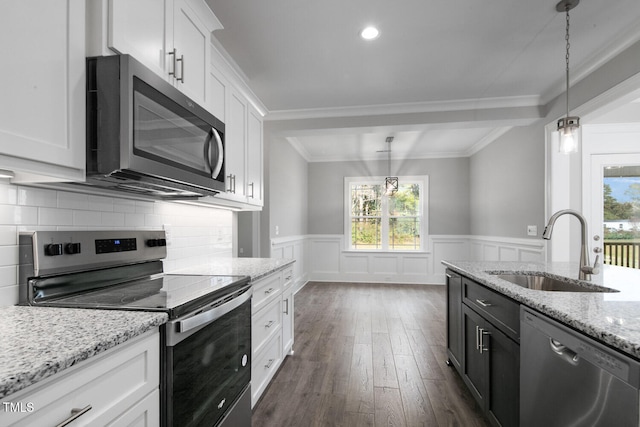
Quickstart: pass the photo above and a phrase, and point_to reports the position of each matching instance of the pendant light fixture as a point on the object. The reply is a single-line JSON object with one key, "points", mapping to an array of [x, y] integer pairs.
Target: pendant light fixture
{"points": [[569, 130], [390, 182]]}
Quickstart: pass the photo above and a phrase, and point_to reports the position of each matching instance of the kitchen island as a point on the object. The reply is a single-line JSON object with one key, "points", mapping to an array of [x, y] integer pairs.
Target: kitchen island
{"points": [[610, 317]]}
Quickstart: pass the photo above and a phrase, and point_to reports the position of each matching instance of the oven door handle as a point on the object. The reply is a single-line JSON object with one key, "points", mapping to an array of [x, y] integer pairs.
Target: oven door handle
{"points": [[200, 319]]}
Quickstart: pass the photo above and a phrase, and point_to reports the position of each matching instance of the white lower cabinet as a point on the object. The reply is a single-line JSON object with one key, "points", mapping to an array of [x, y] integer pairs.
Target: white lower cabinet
{"points": [[119, 387], [271, 328]]}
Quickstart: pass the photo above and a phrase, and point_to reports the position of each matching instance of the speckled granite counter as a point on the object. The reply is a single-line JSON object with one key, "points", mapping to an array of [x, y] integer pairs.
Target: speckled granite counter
{"points": [[255, 268], [37, 342], [613, 318]]}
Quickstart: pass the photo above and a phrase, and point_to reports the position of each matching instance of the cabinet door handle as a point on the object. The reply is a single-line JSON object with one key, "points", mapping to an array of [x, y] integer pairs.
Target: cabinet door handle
{"points": [[483, 303], [269, 363], [172, 54], [268, 325], [181, 61], [286, 311], [251, 185], [482, 346], [75, 414]]}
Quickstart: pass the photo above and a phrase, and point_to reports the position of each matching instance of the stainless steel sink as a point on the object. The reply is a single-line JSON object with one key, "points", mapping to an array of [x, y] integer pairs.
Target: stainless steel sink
{"points": [[544, 283]]}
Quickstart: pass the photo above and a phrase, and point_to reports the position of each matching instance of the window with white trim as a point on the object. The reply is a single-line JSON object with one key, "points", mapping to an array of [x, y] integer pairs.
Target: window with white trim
{"points": [[374, 221]]}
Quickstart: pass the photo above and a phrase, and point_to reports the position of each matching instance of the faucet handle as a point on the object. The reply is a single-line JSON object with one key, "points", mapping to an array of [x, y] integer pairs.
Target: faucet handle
{"points": [[595, 269]]}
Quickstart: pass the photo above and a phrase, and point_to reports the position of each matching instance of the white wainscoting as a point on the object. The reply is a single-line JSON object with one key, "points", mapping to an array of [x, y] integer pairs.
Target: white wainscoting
{"points": [[323, 257]]}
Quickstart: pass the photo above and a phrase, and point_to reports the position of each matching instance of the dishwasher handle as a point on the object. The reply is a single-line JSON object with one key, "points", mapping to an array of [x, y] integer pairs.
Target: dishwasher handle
{"points": [[564, 352]]}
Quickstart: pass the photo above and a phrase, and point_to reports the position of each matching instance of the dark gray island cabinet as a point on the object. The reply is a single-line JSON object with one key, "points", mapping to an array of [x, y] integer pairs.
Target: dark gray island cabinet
{"points": [[483, 335]]}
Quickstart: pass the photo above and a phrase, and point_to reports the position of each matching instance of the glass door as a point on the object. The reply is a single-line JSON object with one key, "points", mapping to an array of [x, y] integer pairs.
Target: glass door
{"points": [[615, 208]]}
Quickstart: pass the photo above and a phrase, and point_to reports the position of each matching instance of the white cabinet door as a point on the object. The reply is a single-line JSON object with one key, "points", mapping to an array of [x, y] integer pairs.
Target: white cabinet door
{"points": [[217, 89], [191, 44], [287, 321], [42, 113], [236, 129], [137, 28], [254, 158]]}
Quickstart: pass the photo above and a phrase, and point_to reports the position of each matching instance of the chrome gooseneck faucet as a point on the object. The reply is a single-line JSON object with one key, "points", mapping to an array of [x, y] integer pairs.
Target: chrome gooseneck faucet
{"points": [[586, 270]]}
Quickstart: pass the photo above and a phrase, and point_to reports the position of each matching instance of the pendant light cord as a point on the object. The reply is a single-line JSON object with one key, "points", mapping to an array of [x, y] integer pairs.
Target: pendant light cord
{"points": [[566, 37]]}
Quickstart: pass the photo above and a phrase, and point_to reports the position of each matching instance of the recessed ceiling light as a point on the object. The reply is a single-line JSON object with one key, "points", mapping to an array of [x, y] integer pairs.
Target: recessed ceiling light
{"points": [[370, 33]]}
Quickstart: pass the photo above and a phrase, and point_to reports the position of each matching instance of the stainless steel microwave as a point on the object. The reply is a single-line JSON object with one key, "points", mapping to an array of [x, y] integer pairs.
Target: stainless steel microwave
{"points": [[145, 136]]}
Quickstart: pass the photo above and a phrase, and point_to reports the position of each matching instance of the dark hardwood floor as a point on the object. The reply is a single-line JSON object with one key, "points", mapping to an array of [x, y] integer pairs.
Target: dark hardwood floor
{"points": [[368, 355]]}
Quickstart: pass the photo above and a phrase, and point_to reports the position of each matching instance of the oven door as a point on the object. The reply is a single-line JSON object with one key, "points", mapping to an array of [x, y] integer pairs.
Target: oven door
{"points": [[207, 365]]}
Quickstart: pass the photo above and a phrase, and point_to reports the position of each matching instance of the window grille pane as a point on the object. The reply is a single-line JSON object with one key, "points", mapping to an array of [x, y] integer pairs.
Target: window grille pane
{"points": [[365, 200], [406, 201], [404, 234], [365, 233]]}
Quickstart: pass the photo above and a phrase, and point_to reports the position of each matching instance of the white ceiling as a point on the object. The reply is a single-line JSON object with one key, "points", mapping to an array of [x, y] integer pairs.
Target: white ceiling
{"points": [[444, 78]]}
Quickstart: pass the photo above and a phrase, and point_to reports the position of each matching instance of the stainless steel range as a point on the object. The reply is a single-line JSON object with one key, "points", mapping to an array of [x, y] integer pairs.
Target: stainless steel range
{"points": [[206, 345]]}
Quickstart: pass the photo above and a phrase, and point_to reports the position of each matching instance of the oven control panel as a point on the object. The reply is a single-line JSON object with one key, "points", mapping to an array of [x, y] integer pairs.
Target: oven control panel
{"points": [[57, 251]]}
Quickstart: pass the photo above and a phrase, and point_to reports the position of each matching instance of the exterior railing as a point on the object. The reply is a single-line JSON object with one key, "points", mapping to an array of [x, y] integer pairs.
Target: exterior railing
{"points": [[624, 254]]}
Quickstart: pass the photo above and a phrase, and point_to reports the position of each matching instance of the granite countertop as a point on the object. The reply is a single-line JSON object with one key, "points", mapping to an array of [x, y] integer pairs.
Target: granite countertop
{"points": [[256, 268], [38, 342], [612, 317]]}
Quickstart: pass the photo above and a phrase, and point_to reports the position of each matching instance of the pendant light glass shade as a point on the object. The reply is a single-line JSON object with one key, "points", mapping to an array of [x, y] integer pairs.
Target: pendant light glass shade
{"points": [[570, 134], [390, 185]]}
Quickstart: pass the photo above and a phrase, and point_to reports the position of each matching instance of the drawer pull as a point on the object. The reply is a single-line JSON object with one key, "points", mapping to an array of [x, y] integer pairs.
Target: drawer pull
{"points": [[286, 311], [268, 291], [268, 325], [75, 414], [287, 278], [269, 363], [483, 303]]}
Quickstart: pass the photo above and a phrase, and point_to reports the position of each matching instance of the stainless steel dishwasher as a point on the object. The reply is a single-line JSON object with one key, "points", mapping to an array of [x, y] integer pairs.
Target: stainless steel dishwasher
{"points": [[568, 379]]}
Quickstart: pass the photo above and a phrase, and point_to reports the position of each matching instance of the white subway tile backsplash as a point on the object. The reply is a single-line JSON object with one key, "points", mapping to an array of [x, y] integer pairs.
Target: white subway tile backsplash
{"points": [[18, 215], [8, 235], [87, 218], [99, 203], [51, 216], [8, 255], [8, 275], [112, 219], [8, 193], [124, 206], [31, 196], [8, 295], [68, 200], [196, 233]]}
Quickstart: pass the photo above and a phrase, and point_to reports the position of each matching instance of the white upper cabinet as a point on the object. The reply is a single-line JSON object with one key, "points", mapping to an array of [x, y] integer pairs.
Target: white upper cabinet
{"points": [[138, 29], [42, 111], [171, 37], [235, 147], [254, 157]]}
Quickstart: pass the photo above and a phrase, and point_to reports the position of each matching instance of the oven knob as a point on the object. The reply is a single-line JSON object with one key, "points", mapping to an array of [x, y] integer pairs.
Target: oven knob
{"points": [[72, 248], [152, 243], [53, 249], [245, 359]]}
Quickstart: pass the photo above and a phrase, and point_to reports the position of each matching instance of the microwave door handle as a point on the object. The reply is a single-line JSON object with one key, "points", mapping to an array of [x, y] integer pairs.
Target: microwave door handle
{"points": [[218, 168]]}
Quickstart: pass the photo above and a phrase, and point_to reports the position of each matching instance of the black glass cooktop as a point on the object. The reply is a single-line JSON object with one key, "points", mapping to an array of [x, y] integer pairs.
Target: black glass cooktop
{"points": [[176, 294]]}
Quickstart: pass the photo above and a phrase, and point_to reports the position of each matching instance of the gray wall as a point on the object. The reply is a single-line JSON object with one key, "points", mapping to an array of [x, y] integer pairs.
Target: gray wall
{"points": [[287, 189], [507, 184], [448, 192]]}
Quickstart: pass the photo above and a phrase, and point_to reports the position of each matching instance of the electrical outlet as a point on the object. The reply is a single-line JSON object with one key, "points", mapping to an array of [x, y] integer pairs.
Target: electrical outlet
{"points": [[532, 230], [277, 230], [167, 232]]}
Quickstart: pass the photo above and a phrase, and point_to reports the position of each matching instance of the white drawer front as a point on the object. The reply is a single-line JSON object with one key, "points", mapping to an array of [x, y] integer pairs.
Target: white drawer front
{"points": [[266, 290], [264, 367], [265, 324], [111, 383], [287, 275]]}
